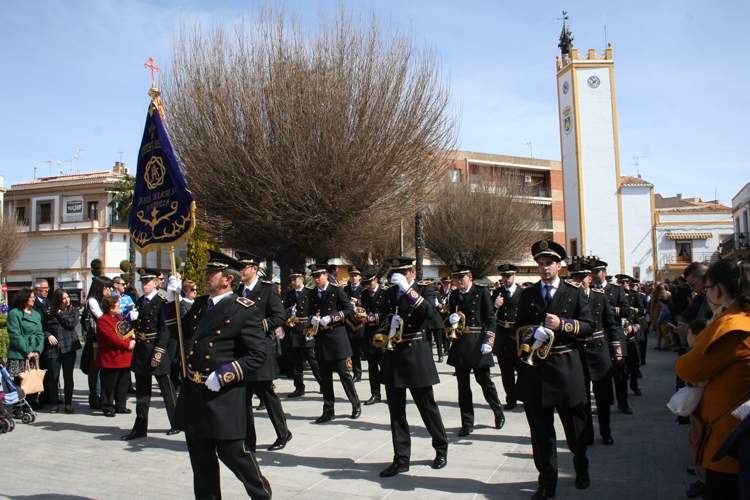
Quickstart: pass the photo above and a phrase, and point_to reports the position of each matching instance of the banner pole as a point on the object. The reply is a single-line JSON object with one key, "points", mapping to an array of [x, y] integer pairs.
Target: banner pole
{"points": [[179, 318]]}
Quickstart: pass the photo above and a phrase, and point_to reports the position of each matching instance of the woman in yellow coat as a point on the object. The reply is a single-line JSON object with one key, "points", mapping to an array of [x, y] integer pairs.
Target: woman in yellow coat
{"points": [[720, 362]]}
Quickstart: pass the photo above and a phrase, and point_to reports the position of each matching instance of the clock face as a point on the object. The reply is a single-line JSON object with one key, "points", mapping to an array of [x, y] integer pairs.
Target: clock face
{"points": [[566, 87], [593, 81]]}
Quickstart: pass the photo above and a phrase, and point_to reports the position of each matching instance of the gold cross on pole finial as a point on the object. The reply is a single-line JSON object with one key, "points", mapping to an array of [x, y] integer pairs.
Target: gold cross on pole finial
{"points": [[150, 64]]}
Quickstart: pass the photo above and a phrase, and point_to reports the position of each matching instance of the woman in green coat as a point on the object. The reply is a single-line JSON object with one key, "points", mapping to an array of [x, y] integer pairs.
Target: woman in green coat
{"points": [[24, 332]]}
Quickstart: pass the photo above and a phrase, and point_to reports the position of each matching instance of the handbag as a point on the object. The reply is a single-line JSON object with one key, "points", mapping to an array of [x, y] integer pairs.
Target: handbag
{"points": [[700, 431], [32, 380], [685, 401]]}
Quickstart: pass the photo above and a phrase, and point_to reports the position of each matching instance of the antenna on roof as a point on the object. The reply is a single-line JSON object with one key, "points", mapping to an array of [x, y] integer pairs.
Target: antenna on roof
{"points": [[636, 158], [49, 164], [59, 165], [531, 151], [605, 31]]}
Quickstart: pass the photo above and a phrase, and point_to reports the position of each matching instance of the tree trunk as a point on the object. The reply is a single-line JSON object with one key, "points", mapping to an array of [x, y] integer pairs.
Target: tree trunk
{"points": [[419, 243]]}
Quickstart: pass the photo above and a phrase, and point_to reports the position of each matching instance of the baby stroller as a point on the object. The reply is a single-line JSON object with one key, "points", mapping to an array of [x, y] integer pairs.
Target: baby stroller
{"points": [[14, 398]]}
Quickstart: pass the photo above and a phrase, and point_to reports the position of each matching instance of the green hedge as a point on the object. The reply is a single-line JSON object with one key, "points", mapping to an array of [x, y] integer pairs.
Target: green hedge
{"points": [[4, 341]]}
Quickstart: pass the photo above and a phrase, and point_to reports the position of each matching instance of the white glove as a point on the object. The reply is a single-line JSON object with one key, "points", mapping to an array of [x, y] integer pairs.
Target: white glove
{"points": [[314, 320], [173, 287], [400, 280], [395, 322], [134, 315], [486, 348], [437, 303], [542, 333], [325, 321], [454, 318], [213, 383]]}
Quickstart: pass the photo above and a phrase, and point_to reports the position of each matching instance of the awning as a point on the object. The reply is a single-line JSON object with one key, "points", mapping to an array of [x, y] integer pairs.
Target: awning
{"points": [[689, 236]]}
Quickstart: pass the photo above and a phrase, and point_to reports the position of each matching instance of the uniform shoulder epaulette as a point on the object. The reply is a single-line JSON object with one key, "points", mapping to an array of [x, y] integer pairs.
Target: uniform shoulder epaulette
{"points": [[615, 284], [245, 301], [643, 294], [310, 287], [424, 283], [480, 285], [162, 294], [334, 284], [266, 282], [597, 290], [573, 283]]}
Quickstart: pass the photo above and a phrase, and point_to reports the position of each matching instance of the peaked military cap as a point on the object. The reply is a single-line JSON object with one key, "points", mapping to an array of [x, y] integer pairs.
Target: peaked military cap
{"points": [[296, 273], [598, 265], [247, 258], [218, 261], [580, 268], [461, 269], [368, 276], [623, 277], [446, 279], [548, 248], [401, 263], [354, 270], [318, 268], [146, 274], [507, 269]]}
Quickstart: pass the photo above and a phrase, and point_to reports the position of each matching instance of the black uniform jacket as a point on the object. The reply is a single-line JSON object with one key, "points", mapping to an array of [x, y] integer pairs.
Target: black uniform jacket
{"points": [[466, 350], [410, 364], [151, 337], [505, 343], [372, 305], [354, 328], [266, 298], [597, 347], [229, 338], [331, 342], [556, 381], [302, 301]]}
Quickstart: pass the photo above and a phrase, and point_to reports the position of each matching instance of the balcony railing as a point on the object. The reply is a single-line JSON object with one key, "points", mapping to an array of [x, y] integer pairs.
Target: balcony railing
{"points": [[545, 224], [115, 221], [706, 257], [531, 191]]}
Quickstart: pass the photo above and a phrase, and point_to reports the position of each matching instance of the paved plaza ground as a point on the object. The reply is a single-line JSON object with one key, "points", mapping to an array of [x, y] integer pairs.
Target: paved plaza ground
{"points": [[81, 456]]}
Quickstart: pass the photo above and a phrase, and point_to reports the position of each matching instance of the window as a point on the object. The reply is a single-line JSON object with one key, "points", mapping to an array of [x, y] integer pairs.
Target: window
{"points": [[684, 252], [574, 247], [454, 175], [93, 210], [21, 216], [44, 212]]}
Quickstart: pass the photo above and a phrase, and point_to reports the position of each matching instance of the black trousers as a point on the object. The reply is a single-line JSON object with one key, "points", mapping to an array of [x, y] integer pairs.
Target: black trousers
{"points": [[143, 399], [235, 455], [424, 398], [544, 441], [326, 383], [356, 342], [603, 395], [508, 369], [114, 383], [439, 336], [299, 356], [374, 363], [175, 362], [465, 396], [265, 392], [643, 347]]}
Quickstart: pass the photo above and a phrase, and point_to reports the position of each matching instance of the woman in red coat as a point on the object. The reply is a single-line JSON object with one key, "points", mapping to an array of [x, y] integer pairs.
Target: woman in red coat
{"points": [[114, 336]]}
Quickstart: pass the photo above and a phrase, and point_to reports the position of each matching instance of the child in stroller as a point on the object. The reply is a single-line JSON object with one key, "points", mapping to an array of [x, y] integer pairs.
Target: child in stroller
{"points": [[12, 397]]}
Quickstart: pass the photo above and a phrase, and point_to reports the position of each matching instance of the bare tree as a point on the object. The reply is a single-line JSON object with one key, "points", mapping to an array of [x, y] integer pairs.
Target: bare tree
{"points": [[12, 241], [482, 223], [376, 251], [297, 139]]}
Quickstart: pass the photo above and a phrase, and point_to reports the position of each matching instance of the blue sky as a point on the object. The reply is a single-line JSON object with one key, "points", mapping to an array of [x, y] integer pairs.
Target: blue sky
{"points": [[73, 77]]}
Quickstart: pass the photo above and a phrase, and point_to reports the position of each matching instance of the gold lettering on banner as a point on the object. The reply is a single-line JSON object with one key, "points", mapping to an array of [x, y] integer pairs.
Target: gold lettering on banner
{"points": [[155, 172]]}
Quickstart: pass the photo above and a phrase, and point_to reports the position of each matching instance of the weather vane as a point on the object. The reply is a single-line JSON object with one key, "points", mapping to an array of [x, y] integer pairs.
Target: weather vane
{"points": [[150, 64]]}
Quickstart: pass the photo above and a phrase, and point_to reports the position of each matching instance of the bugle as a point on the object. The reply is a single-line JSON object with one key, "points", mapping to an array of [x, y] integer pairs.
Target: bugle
{"points": [[312, 330], [451, 333]]}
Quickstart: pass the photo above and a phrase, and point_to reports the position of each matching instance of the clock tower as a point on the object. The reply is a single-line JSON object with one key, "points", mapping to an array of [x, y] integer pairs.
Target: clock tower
{"points": [[590, 152]]}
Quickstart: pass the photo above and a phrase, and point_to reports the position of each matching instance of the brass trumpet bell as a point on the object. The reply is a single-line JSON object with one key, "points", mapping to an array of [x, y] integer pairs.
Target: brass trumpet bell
{"points": [[379, 340]]}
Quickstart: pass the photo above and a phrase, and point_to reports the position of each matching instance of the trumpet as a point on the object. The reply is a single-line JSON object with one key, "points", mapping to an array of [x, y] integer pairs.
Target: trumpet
{"points": [[451, 333], [540, 348], [312, 330], [381, 339], [292, 322], [353, 323]]}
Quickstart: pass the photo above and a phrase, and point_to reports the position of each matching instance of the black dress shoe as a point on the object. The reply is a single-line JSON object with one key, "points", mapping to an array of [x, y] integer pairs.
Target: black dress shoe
{"points": [[393, 469], [608, 440], [297, 393], [510, 406], [542, 494], [373, 400], [637, 392], [281, 442], [326, 417], [626, 410], [440, 461], [261, 406], [356, 412], [465, 431], [690, 471], [173, 431], [126, 411], [697, 489], [134, 435], [499, 421], [109, 413], [358, 378], [440, 359], [583, 482]]}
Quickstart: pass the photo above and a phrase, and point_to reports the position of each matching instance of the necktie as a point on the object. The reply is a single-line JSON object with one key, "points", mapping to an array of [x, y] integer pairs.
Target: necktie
{"points": [[296, 293], [547, 294], [247, 292], [320, 293], [210, 304], [462, 295], [145, 301]]}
